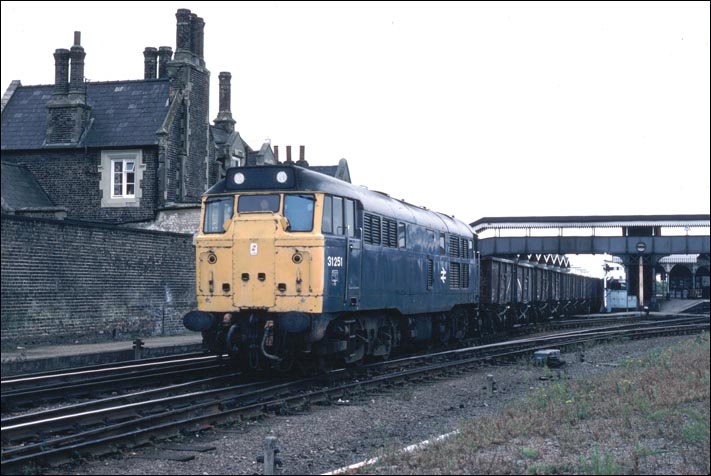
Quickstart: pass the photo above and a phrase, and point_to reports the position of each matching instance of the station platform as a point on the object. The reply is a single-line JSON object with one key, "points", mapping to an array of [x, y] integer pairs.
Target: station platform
{"points": [[675, 306], [31, 359]]}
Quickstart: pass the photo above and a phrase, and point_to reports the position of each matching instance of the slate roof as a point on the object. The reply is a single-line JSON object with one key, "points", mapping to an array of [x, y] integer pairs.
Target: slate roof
{"points": [[223, 137], [21, 190], [325, 169], [126, 113], [259, 157], [339, 171]]}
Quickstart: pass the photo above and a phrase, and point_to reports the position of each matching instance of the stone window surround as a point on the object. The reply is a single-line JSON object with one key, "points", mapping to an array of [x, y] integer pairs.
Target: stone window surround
{"points": [[106, 181]]}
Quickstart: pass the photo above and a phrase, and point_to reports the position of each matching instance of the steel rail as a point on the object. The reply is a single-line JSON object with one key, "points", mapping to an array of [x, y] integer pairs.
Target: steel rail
{"points": [[59, 373], [113, 400], [106, 383]]}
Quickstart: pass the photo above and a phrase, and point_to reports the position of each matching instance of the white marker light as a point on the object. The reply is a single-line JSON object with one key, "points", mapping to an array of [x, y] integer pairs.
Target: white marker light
{"points": [[239, 178], [281, 177]]}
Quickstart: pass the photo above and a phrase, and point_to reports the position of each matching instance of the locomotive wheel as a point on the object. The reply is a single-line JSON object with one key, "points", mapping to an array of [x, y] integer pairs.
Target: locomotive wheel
{"points": [[231, 341], [324, 365], [385, 340], [442, 330], [460, 327], [356, 345]]}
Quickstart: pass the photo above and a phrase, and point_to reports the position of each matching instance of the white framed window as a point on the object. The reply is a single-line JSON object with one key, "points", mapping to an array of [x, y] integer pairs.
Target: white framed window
{"points": [[124, 178], [121, 174]]}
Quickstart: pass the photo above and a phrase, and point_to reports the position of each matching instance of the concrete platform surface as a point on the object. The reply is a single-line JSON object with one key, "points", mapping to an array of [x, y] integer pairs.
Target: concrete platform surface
{"points": [[675, 306], [32, 359]]}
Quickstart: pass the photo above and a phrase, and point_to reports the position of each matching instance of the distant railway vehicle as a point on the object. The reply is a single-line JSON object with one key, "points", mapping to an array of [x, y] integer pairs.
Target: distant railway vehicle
{"points": [[294, 266], [516, 293]]}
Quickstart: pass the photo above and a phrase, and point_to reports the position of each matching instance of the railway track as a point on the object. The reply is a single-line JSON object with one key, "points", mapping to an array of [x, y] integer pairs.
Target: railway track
{"points": [[39, 389], [32, 390], [68, 373], [54, 438]]}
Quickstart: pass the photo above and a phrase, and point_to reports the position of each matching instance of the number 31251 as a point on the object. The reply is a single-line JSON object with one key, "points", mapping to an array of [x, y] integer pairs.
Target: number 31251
{"points": [[335, 261]]}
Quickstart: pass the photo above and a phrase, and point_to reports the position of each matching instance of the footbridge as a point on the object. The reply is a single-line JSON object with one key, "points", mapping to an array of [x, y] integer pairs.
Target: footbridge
{"points": [[639, 240]]}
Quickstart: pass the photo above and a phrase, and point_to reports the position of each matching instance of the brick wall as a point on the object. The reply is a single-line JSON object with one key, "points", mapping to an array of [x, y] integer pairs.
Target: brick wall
{"points": [[71, 178], [64, 281], [185, 219]]}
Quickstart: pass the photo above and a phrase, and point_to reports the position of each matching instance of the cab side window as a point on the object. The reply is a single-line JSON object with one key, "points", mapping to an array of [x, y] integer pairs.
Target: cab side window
{"points": [[349, 215], [327, 224], [337, 215]]}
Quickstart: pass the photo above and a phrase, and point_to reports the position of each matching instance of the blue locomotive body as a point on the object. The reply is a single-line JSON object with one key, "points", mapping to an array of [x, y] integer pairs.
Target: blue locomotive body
{"points": [[297, 266], [395, 256]]}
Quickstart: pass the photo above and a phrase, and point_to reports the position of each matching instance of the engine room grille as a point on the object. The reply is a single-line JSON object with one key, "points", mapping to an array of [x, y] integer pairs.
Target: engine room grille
{"points": [[430, 273], [390, 233], [454, 275], [371, 229], [455, 246]]}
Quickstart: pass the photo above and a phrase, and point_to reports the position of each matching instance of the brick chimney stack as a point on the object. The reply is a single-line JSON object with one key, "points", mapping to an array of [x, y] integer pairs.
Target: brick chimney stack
{"points": [[276, 153], [77, 55], [302, 161], [224, 117], [165, 54], [197, 33], [190, 37], [288, 154], [150, 58], [183, 34], [189, 92], [61, 71], [193, 33], [199, 25], [68, 114]]}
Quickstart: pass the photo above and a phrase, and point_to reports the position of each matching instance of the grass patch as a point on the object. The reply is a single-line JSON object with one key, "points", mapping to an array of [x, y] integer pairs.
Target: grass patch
{"points": [[529, 453], [644, 416], [597, 463], [696, 431]]}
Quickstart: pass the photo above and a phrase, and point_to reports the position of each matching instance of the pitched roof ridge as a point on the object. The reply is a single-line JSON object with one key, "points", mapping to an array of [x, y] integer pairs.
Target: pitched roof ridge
{"points": [[123, 81], [89, 83]]}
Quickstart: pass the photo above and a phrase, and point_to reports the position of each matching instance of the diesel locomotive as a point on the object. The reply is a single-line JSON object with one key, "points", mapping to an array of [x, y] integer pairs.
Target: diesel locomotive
{"points": [[295, 266]]}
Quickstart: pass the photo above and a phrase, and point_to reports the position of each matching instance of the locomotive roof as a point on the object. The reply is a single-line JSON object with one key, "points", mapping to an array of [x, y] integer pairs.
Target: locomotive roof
{"points": [[299, 179]]}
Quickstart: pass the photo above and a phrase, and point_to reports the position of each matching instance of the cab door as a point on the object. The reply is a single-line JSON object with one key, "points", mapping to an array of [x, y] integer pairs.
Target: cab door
{"points": [[354, 255]]}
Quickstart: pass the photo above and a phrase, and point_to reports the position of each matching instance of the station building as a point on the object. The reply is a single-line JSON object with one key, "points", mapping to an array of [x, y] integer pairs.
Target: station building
{"points": [[687, 276]]}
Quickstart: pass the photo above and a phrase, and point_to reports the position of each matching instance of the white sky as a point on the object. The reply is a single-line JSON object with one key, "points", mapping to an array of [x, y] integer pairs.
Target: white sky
{"points": [[481, 109]]}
